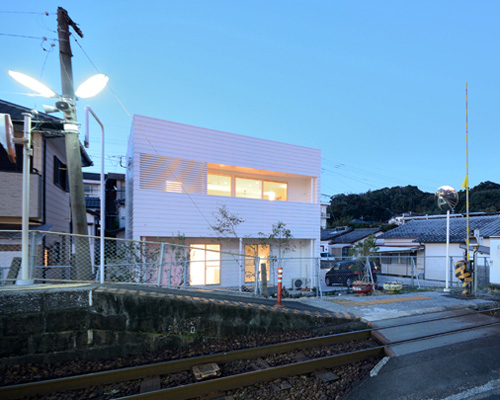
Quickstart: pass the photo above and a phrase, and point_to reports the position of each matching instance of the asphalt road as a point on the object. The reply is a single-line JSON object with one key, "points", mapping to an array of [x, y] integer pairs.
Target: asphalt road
{"points": [[469, 370]]}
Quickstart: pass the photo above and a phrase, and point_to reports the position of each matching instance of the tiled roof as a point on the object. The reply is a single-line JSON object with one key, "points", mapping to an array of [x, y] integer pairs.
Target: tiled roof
{"points": [[434, 230], [92, 202], [327, 234], [354, 235]]}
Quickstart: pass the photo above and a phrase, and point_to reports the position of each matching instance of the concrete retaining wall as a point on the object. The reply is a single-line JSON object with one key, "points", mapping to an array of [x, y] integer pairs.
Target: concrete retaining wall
{"points": [[57, 325]]}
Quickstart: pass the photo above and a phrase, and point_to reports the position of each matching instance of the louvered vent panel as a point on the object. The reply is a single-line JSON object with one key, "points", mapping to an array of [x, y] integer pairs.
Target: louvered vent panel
{"points": [[171, 174]]}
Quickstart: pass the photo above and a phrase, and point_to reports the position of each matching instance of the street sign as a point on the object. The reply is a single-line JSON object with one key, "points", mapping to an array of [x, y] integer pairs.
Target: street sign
{"points": [[7, 136]]}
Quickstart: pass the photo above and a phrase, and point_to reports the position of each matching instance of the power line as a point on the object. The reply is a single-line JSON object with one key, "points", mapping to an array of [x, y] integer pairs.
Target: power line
{"points": [[143, 134], [43, 38], [28, 12]]}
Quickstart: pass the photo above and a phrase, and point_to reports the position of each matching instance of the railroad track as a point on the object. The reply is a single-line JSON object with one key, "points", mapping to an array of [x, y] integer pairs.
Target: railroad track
{"points": [[150, 374]]}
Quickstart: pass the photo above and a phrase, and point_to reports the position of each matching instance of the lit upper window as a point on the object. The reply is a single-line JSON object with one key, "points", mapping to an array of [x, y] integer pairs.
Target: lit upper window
{"points": [[219, 185], [275, 191], [249, 188]]}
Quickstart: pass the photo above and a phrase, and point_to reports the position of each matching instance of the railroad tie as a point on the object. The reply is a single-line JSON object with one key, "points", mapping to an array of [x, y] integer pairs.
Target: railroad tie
{"points": [[150, 384], [325, 375]]}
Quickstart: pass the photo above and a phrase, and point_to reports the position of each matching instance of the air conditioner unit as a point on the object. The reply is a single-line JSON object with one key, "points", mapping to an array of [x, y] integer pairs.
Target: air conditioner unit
{"points": [[299, 283]]}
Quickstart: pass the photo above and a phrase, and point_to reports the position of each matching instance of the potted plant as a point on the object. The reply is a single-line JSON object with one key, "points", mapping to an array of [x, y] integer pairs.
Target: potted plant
{"points": [[362, 287], [393, 287]]}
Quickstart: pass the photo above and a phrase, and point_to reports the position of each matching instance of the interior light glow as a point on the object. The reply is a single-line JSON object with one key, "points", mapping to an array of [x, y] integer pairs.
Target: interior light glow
{"points": [[33, 84], [271, 195], [92, 86]]}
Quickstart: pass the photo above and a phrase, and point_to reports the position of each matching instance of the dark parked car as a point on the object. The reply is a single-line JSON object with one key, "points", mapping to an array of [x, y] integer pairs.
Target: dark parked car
{"points": [[348, 271]]}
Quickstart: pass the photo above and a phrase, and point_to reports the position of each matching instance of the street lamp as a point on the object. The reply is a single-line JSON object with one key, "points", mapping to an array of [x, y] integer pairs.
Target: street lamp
{"points": [[89, 88], [447, 199], [103, 194]]}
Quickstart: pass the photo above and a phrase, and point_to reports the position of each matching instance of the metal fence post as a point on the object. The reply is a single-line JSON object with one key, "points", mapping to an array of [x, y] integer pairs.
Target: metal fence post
{"points": [[33, 256], [185, 272], [256, 275], [160, 266]]}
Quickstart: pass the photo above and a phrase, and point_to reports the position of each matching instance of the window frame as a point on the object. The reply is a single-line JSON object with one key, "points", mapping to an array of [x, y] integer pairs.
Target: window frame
{"points": [[231, 189], [61, 179], [202, 247]]}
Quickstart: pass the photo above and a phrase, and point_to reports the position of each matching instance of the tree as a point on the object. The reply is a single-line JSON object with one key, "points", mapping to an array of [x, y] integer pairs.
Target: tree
{"points": [[226, 228], [364, 248], [226, 223], [280, 238]]}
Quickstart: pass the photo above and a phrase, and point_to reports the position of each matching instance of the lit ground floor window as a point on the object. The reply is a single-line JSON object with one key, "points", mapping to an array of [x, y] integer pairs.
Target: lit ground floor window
{"points": [[256, 250], [204, 266]]}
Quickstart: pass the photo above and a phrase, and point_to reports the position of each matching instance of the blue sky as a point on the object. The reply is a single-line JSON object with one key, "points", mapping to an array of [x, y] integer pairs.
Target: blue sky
{"points": [[378, 86]]}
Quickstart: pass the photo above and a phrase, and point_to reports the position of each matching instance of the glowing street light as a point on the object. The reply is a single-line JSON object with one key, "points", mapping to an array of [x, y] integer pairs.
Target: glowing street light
{"points": [[89, 88], [33, 84], [92, 86]]}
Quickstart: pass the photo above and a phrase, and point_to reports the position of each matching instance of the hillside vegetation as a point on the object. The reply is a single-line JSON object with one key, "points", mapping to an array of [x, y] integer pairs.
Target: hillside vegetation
{"points": [[379, 206]]}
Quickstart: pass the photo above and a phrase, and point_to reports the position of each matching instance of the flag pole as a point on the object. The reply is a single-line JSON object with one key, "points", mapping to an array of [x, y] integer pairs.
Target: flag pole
{"points": [[467, 170]]}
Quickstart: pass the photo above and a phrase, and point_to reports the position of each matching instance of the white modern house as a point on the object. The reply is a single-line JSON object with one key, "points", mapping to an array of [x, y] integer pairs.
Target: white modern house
{"points": [[179, 176]]}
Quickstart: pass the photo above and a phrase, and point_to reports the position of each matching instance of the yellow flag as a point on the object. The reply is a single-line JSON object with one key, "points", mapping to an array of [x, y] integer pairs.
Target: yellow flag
{"points": [[465, 183]]}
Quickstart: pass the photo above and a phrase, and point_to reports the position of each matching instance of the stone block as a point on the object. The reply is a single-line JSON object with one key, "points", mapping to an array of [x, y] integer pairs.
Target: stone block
{"points": [[67, 299], [66, 320], [22, 325], [21, 302], [51, 342], [13, 346]]}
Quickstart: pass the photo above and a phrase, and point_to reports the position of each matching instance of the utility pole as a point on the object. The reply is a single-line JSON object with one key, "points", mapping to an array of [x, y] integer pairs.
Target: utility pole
{"points": [[83, 268]]}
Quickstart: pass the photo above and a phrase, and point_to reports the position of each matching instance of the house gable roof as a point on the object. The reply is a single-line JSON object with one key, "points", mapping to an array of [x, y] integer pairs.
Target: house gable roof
{"points": [[327, 234], [434, 230], [354, 235]]}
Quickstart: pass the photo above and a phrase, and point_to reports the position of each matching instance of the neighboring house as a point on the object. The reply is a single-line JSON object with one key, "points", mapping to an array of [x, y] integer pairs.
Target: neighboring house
{"points": [[404, 217], [178, 176], [115, 201], [325, 215], [424, 242], [328, 234], [49, 190], [340, 245]]}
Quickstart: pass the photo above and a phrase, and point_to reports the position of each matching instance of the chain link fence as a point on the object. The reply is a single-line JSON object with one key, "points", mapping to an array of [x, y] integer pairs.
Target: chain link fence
{"points": [[66, 258], [418, 271]]}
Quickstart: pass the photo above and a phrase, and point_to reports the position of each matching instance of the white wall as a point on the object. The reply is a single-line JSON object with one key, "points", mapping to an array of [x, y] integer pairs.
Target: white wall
{"points": [[495, 261], [160, 213]]}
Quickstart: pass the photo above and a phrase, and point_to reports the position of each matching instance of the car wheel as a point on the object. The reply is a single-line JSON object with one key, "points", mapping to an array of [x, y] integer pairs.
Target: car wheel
{"points": [[328, 282]]}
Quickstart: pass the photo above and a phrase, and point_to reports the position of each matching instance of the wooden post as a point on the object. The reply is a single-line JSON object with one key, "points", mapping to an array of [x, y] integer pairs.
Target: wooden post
{"points": [[263, 279], [73, 154]]}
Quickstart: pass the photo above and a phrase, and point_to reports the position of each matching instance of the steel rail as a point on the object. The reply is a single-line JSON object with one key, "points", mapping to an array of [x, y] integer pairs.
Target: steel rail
{"points": [[168, 367], [144, 371], [249, 378], [246, 379]]}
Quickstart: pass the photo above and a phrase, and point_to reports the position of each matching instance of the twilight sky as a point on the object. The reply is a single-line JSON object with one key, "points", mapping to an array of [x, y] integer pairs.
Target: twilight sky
{"points": [[378, 86]]}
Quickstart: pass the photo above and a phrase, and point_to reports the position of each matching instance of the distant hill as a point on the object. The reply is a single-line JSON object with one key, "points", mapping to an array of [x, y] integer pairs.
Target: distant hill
{"points": [[379, 206]]}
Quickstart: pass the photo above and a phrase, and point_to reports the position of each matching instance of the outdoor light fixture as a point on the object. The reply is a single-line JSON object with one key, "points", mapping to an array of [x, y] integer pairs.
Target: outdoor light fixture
{"points": [[33, 84], [89, 88], [92, 86]]}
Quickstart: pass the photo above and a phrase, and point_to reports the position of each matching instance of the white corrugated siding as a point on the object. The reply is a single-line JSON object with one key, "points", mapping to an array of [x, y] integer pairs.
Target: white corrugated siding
{"points": [[160, 213], [166, 138]]}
